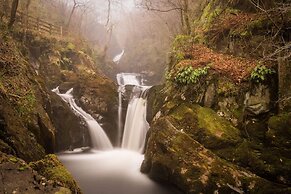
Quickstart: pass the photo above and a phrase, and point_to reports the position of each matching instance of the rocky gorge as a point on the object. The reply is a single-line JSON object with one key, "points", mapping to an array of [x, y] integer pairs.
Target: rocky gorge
{"points": [[220, 122]]}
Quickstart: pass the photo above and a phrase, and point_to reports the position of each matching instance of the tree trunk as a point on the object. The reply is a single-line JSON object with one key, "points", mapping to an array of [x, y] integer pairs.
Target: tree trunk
{"points": [[26, 13], [70, 18], [3, 8], [13, 13], [186, 17]]}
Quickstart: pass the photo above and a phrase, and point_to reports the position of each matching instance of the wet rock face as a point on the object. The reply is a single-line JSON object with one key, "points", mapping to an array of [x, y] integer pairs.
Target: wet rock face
{"points": [[258, 100], [173, 156], [17, 177], [93, 91], [71, 131], [98, 97]]}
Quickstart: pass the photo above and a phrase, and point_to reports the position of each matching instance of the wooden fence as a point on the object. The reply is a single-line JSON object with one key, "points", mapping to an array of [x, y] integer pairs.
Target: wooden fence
{"points": [[37, 24]]}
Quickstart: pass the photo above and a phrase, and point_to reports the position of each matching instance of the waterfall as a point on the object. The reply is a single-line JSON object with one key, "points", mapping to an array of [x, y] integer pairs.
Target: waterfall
{"points": [[136, 126], [121, 90], [117, 58], [99, 138], [124, 79]]}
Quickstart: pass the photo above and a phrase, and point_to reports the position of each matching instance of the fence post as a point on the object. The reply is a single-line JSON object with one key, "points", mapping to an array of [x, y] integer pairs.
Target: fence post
{"points": [[61, 31], [50, 29], [37, 24]]}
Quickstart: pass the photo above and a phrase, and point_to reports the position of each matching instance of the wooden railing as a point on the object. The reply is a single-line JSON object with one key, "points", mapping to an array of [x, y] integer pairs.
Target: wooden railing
{"points": [[37, 24]]}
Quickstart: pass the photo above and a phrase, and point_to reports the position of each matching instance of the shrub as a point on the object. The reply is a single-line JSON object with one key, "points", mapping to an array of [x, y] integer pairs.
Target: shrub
{"points": [[189, 75], [181, 46], [260, 72]]}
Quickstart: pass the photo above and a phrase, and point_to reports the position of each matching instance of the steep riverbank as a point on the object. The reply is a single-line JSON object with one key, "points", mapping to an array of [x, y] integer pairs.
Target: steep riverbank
{"points": [[221, 122]]}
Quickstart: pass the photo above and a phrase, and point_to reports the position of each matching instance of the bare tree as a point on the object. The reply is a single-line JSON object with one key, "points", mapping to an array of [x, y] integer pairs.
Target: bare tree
{"points": [[181, 7], [76, 4], [14, 7]]}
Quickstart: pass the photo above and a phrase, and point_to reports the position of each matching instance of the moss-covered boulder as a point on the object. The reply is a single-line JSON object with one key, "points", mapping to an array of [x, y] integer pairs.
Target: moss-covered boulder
{"points": [[174, 157], [18, 177], [51, 168], [204, 125], [279, 131]]}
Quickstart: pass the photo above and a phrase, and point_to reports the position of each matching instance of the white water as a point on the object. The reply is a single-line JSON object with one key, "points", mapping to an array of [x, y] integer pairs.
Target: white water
{"points": [[111, 172], [128, 79], [115, 171], [136, 126], [99, 138], [121, 90], [124, 79], [117, 58]]}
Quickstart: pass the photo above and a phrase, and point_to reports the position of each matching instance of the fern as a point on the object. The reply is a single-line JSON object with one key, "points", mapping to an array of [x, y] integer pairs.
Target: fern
{"points": [[189, 75]]}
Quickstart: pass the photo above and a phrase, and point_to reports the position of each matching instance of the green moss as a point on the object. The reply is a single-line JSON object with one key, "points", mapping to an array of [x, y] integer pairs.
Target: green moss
{"points": [[232, 11], [199, 38], [205, 126], [218, 126], [63, 191], [21, 169], [210, 12], [13, 159], [181, 46], [226, 88], [26, 105], [238, 113], [70, 46], [281, 122], [51, 168]]}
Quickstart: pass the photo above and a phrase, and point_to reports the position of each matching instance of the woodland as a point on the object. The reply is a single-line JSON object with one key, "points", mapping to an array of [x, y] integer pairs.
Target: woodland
{"points": [[145, 96]]}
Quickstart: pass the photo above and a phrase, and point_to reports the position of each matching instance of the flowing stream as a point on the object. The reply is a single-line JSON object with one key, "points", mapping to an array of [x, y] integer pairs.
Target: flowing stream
{"points": [[104, 170], [99, 138]]}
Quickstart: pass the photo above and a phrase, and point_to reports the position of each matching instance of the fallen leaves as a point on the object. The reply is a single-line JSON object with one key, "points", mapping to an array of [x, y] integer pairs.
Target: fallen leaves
{"points": [[236, 68]]}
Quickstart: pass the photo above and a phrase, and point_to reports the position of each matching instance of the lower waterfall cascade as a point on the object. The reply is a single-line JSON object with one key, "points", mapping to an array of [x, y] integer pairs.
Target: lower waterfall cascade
{"points": [[99, 138], [103, 169]]}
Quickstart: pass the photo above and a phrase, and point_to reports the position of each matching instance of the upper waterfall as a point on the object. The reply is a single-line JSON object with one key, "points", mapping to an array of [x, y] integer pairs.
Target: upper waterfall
{"points": [[117, 58], [134, 79], [99, 138], [136, 126]]}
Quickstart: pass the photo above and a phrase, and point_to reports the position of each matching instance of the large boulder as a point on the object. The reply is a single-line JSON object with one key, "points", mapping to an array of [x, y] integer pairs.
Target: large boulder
{"points": [[203, 125], [51, 168], [18, 177], [279, 131], [174, 157]]}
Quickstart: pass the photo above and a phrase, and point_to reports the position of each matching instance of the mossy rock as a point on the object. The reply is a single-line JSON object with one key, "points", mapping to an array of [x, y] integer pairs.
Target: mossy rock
{"points": [[174, 157], [18, 177], [279, 130], [51, 168], [205, 126]]}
